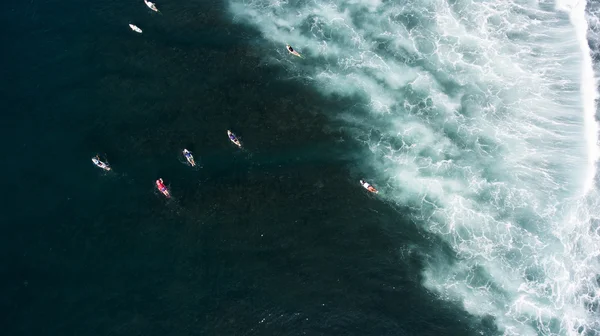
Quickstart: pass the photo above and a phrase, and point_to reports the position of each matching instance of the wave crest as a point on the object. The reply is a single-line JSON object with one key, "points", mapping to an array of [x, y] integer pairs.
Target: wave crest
{"points": [[481, 119]]}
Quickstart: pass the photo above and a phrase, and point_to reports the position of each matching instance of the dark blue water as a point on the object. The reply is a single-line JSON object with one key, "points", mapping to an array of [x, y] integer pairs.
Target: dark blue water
{"points": [[275, 239]]}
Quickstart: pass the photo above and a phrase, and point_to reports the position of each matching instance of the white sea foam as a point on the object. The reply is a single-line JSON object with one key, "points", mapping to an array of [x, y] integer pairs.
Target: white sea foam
{"points": [[481, 119], [589, 84]]}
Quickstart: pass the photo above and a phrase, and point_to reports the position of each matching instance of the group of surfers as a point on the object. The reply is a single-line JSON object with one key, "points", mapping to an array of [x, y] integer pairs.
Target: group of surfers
{"points": [[160, 184]]}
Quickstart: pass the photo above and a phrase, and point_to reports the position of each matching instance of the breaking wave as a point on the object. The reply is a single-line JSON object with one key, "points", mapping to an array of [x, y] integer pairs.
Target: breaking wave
{"points": [[480, 118]]}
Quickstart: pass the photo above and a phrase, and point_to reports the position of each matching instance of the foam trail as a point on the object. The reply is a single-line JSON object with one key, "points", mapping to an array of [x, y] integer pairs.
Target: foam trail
{"points": [[589, 84], [480, 117]]}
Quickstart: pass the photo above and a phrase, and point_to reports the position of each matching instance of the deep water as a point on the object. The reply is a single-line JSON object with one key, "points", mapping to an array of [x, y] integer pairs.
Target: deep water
{"points": [[275, 239]]}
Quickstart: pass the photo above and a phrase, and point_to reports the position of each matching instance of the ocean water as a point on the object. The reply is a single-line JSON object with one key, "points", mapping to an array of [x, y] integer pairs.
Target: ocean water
{"points": [[480, 117], [476, 121]]}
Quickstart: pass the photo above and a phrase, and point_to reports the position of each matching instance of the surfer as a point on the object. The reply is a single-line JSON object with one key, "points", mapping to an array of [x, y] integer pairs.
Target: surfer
{"points": [[162, 188], [96, 160], [368, 187], [292, 51], [135, 28], [151, 5], [234, 139], [189, 157]]}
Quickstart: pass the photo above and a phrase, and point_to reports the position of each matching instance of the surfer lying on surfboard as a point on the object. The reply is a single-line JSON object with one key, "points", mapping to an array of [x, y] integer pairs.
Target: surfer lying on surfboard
{"points": [[234, 139], [135, 28], [151, 5], [292, 51], [160, 185], [189, 157], [96, 160], [368, 186]]}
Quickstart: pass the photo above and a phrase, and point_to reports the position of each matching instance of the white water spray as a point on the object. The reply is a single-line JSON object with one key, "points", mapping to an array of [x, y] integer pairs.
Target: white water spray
{"points": [[589, 84], [481, 119]]}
